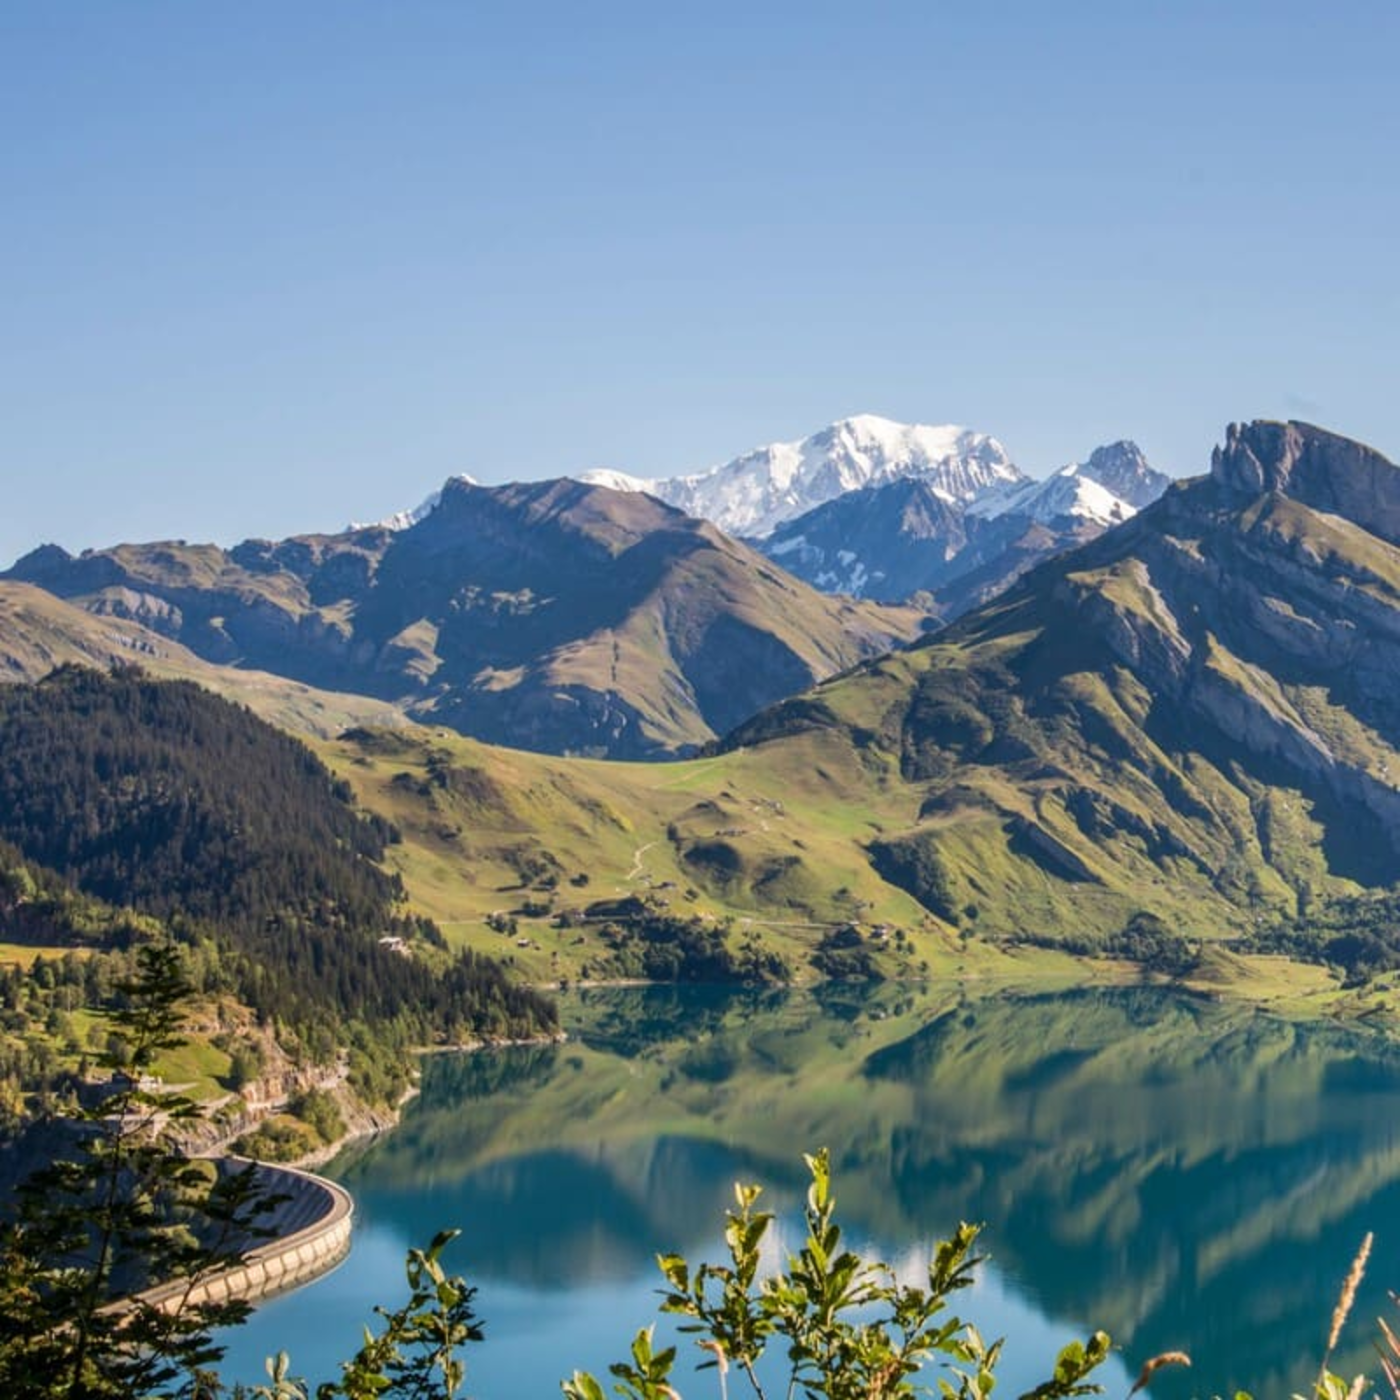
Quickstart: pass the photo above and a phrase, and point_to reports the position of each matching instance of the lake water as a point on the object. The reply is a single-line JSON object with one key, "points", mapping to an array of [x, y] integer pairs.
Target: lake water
{"points": [[1183, 1173]]}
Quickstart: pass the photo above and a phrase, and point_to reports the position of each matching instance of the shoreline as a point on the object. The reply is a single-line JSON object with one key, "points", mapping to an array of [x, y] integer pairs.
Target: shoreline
{"points": [[306, 1260], [289, 1261]]}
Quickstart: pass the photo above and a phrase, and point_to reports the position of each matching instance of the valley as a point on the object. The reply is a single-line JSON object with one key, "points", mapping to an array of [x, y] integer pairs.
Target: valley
{"points": [[756, 639], [1155, 767]]}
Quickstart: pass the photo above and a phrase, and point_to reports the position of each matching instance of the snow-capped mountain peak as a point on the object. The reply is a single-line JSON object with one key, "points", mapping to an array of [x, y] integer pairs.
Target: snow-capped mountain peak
{"points": [[616, 480], [756, 492], [1115, 483], [1066, 494], [1122, 468]]}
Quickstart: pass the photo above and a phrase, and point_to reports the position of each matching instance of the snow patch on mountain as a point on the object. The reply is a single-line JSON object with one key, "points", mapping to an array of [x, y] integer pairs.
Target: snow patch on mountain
{"points": [[1066, 494], [755, 493], [617, 481], [1115, 483]]}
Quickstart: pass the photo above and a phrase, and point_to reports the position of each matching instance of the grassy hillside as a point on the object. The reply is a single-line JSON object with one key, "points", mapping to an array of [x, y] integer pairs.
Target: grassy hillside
{"points": [[532, 858], [492, 831]]}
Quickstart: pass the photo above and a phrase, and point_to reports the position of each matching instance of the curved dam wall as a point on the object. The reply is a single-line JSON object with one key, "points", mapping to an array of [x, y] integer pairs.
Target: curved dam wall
{"points": [[313, 1235]]}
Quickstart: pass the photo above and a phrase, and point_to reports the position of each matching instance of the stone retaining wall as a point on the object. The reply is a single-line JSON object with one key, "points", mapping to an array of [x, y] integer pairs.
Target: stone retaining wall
{"points": [[279, 1264]]}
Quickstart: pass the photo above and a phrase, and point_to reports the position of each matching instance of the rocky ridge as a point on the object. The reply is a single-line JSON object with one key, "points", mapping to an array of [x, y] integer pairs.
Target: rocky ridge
{"points": [[1197, 714], [548, 615]]}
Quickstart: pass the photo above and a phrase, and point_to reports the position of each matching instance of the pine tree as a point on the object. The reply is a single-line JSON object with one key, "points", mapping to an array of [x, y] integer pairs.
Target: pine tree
{"points": [[118, 1210]]}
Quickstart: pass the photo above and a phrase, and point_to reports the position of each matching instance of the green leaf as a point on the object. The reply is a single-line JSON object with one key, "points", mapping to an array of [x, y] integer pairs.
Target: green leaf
{"points": [[582, 1386]]}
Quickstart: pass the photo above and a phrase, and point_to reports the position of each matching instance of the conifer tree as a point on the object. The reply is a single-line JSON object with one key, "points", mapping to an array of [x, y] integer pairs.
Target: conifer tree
{"points": [[118, 1210]]}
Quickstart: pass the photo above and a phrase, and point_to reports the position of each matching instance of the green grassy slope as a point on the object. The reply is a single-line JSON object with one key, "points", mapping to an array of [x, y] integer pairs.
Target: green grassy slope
{"points": [[1191, 721]]}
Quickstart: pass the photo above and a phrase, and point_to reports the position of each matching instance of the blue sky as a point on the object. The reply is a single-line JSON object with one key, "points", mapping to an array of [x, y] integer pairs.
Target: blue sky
{"points": [[268, 267]]}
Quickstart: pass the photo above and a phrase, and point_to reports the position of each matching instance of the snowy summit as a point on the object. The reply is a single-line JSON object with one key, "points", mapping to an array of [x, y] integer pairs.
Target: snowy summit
{"points": [[755, 493], [1112, 485]]}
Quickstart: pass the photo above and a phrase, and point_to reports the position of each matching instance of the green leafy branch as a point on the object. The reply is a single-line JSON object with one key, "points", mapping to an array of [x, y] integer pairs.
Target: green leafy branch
{"points": [[850, 1329]]}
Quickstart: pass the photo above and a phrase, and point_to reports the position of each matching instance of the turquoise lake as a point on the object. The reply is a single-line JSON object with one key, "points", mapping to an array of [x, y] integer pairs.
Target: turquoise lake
{"points": [[1181, 1172]]}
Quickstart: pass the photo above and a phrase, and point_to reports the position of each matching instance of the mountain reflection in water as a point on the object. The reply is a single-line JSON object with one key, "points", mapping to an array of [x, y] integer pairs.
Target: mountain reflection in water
{"points": [[1184, 1173]]}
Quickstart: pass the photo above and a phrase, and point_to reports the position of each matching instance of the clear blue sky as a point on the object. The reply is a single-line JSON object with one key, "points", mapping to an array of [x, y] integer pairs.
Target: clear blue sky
{"points": [[268, 267]]}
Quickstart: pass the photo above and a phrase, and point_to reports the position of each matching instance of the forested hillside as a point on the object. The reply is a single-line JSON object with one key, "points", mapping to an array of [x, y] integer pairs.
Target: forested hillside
{"points": [[162, 797]]}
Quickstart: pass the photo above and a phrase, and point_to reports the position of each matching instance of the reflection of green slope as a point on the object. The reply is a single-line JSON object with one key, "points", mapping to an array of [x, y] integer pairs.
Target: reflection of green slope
{"points": [[1183, 1172], [588, 1218], [629, 1020]]}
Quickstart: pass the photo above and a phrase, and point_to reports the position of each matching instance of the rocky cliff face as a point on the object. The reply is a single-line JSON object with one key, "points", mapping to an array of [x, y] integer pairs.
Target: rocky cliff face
{"points": [[1263, 604], [1222, 671], [1317, 468]]}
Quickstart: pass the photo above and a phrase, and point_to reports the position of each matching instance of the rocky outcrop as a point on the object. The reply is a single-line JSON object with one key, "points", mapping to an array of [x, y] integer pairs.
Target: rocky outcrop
{"points": [[1321, 469]]}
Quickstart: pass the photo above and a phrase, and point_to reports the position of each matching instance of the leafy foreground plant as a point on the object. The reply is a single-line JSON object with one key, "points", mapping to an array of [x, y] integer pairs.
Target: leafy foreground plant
{"points": [[850, 1329], [414, 1356]]}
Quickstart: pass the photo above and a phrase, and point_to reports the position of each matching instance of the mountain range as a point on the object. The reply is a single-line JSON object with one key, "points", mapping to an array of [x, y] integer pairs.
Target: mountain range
{"points": [[755, 493], [573, 617], [550, 615], [1183, 731], [908, 536], [1192, 716], [885, 510], [1196, 711]]}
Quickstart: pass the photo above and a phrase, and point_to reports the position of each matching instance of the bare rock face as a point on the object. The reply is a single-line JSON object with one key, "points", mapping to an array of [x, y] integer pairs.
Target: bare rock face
{"points": [[1122, 468], [1318, 468]]}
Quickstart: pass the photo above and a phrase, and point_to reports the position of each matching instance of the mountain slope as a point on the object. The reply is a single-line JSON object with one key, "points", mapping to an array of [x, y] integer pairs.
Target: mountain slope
{"points": [[551, 615], [755, 493], [905, 536], [39, 632], [1195, 715], [1193, 718], [161, 798]]}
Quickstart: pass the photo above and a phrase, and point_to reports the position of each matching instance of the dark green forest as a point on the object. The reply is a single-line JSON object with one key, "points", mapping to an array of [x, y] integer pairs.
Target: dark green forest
{"points": [[132, 805]]}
